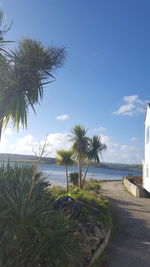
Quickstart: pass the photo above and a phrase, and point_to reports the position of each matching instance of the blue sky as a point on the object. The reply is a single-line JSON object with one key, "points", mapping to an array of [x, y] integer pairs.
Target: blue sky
{"points": [[104, 83]]}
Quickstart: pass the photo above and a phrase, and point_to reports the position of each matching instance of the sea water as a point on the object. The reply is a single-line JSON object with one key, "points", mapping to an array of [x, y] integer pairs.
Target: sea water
{"points": [[57, 175]]}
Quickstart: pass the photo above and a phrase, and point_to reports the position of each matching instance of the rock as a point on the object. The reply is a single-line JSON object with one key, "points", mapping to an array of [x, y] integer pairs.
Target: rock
{"points": [[91, 236], [94, 243], [89, 227], [99, 224], [86, 252], [77, 234], [84, 233], [69, 207], [98, 232], [90, 232], [102, 230]]}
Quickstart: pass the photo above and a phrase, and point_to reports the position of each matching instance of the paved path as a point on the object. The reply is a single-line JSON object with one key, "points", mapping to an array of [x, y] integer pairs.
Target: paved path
{"points": [[130, 245]]}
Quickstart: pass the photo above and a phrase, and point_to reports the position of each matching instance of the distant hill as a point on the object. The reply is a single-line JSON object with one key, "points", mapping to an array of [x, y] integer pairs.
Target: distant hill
{"points": [[24, 158], [121, 166], [49, 160]]}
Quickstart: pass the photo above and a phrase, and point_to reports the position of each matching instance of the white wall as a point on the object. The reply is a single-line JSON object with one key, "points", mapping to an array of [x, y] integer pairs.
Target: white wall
{"points": [[146, 164]]}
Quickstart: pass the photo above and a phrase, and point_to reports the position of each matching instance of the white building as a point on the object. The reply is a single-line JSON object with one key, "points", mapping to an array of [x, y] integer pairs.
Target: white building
{"points": [[146, 162]]}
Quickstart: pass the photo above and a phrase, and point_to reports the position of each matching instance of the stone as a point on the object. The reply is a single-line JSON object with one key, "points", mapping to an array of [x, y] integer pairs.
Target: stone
{"points": [[90, 232], [77, 234], [84, 233], [86, 252], [89, 227], [94, 243], [98, 232], [69, 207]]}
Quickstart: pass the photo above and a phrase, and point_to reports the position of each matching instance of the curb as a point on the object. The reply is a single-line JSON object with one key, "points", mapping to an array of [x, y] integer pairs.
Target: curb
{"points": [[100, 248]]}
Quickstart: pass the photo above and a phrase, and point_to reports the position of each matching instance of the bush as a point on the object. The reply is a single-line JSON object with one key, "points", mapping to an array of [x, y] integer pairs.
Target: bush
{"points": [[32, 233], [137, 180], [91, 196], [73, 178], [57, 191], [92, 185]]}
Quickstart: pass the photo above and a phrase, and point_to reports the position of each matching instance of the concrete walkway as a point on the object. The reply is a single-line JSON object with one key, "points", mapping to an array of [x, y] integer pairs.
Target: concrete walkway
{"points": [[130, 245]]}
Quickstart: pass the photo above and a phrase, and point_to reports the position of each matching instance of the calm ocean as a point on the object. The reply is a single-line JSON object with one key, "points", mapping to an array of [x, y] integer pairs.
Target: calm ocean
{"points": [[56, 174]]}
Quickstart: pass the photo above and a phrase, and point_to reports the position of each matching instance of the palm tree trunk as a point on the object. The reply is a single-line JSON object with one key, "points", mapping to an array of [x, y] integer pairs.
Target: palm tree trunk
{"points": [[1, 128], [80, 172], [87, 167], [67, 179]]}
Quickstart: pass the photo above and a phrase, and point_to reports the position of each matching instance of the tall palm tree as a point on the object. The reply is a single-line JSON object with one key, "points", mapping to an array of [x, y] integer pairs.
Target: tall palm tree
{"points": [[27, 69], [65, 157], [94, 152], [80, 146]]}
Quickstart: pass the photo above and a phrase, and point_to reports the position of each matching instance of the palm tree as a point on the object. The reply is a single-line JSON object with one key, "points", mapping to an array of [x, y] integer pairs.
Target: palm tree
{"points": [[80, 146], [27, 70], [65, 157], [94, 152]]}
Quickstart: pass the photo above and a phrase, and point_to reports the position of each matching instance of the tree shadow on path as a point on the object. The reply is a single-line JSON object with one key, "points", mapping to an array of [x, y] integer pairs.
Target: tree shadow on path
{"points": [[130, 244]]}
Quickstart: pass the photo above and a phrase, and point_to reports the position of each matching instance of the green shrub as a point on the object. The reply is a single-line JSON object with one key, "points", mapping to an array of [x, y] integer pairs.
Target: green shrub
{"points": [[57, 191], [137, 180], [90, 195], [92, 185], [73, 178], [32, 233]]}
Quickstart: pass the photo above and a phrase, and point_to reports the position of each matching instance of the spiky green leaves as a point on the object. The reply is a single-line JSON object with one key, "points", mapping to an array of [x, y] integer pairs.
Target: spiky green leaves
{"points": [[95, 148], [65, 157], [32, 233], [79, 140], [26, 70]]}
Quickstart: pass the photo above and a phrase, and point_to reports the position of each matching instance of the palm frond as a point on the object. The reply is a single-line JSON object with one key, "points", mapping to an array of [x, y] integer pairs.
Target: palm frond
{"points": [[65, 157], [95, 148], [24, 73]]}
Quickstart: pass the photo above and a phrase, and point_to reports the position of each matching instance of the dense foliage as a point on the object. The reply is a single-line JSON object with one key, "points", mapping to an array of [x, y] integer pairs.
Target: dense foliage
{"points": [[137, 180], [32, 233], [91, 196], [73, 178]]}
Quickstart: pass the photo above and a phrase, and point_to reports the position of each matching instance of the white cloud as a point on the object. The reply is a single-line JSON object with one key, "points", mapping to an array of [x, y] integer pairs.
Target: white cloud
{"points": [[133, 105], [131, 98], [120, 153], [133, 139], [27, 144], [114, 153], [23, 145], [128, 148], [3, 143], [63, 117], [58, 141], [8, 131], [55, 141], [99, 129], [107, 140]]}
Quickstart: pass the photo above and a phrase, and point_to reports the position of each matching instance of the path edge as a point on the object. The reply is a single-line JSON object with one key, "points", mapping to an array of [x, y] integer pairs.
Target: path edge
{"points": [[100, 248]]}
